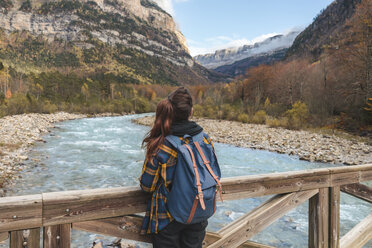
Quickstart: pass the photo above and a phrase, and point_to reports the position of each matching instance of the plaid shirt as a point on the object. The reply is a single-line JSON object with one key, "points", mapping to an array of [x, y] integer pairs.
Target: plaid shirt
{"points": [[156, 178]]}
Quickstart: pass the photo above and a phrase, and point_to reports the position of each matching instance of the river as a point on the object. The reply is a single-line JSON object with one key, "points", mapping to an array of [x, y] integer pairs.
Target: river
{"points": [[106, 152]]}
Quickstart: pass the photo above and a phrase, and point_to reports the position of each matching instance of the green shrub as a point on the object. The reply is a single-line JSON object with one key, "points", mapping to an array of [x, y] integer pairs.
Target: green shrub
{"points": [[48, 107], [225, 111], [275, 109], [259, 117], [229, 112], [297, 116], [123, 105], [210, 111], [3, 110], [17, 104], [243, 118], [277, 122], [93, 108], [198, 110], [142, 105]]}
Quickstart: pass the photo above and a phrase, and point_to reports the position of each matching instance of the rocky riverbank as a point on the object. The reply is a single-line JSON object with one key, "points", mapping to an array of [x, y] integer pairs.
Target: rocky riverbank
{"points": [[18, 133], [310, 146]]}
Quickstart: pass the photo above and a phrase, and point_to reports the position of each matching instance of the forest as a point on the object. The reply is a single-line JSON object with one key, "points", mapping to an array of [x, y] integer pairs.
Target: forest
{"points": [[332, 90]]}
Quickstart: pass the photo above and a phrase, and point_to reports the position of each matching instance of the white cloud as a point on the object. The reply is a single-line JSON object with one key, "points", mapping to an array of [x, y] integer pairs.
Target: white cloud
{"points": [[262, 38], [166, 5], [210, 45]]}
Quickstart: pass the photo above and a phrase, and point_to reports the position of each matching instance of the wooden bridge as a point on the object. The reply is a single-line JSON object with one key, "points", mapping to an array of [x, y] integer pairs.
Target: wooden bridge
{"points": [[111, 211]]}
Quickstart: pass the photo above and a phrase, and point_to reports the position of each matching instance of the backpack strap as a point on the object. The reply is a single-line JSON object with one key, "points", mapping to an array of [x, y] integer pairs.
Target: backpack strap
{"points": [[198, 184], [206, 163]]}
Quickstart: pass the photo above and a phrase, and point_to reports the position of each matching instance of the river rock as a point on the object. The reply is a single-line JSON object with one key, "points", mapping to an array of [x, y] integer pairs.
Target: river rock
{"points": [[338, 148], [18, 133]]}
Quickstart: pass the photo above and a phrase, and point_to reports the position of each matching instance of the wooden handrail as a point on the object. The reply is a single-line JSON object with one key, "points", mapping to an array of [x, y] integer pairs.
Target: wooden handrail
{"points": [[55, 211], [23, 212]]}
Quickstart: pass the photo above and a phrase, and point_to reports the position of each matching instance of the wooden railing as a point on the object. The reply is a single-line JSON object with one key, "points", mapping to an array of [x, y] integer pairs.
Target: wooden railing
{"points": [[111, 211]]}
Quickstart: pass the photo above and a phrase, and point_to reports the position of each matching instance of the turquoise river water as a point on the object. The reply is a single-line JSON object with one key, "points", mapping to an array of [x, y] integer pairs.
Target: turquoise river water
{"points": [[106, 152]]}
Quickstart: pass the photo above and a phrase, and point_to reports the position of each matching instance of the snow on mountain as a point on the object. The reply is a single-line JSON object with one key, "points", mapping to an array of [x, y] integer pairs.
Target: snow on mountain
{"points": [[230, 55]]}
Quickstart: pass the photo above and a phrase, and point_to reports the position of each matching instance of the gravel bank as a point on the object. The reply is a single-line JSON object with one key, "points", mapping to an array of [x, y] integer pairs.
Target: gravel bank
{"points": [[307, 145], [18, 133]]}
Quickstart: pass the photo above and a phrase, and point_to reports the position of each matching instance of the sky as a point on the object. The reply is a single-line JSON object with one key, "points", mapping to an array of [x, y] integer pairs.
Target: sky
{"points": [[209, 25]]}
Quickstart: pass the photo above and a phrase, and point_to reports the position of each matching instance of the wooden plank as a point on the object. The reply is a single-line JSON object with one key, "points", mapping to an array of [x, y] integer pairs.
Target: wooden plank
{"points": [[211, 238], [345, 178], [318, 219], [29, 238], [274, 183], [58, 236], [20, 212], [270, 186], [334, 217], [4, 236], [359, 235], [285, 182], [358, 190], [343, 169], [128, 227], [80, 205], [366, 176], [244, 228]]}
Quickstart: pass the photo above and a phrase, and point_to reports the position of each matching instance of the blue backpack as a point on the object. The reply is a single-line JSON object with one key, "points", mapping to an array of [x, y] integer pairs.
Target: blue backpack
{"points": [[192, 198]]}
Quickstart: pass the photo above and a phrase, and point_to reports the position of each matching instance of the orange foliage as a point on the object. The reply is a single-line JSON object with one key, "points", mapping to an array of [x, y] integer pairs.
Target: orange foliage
{"points": [[8, 94]]}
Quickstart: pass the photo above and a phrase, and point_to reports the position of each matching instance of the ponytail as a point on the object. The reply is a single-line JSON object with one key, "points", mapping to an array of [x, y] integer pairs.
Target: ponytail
{"points": [[162, 126]]}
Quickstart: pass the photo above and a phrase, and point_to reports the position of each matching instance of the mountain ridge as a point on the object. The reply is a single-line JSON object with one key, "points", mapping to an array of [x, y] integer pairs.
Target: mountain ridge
{"points": [[240, 67], [326, 29], [135, 39], [229, 56]]}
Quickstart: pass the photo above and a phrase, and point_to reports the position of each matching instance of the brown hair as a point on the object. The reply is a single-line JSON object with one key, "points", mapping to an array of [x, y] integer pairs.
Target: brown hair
{"points": [[177, 107]]}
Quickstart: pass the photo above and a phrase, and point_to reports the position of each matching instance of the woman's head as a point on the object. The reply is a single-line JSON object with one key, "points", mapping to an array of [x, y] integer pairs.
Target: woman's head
{"points": [[178, 107], [181, 101]]}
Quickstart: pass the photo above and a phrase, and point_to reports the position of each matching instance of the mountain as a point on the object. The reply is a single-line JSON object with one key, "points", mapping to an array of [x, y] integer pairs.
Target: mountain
{"points": [[240, 67], [127, 41], [327, 28], [231, 55]]}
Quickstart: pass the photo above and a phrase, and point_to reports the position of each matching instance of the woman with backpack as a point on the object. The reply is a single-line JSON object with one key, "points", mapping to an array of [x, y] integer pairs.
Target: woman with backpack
{"points": [[182, 174]]}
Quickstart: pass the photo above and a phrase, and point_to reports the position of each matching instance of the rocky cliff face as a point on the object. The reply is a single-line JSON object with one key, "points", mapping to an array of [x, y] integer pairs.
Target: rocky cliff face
{"points": [[151, 30], [135, 40], [233, 55], [326, 29]]}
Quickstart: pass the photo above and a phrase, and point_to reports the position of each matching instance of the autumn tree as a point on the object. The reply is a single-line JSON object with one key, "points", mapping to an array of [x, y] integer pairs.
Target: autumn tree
{"points": [[355, 52], [256, 84]]}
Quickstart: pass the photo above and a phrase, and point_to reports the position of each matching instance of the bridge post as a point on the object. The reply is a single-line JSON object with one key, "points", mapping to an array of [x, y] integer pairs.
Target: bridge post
{"points": [[319, 219], [57, 236], [29, 238], [334, 217]]}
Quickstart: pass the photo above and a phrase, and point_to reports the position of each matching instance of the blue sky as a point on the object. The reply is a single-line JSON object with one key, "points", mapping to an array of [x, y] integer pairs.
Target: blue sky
{"points": [[215, 24]]}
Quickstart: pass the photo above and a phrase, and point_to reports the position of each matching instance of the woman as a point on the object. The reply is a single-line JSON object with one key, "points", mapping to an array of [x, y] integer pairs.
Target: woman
{"points": [[172, 117]]}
